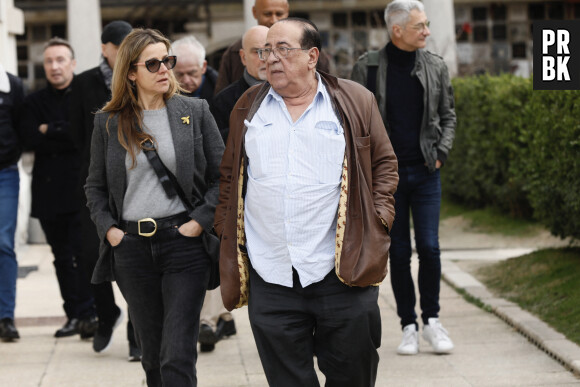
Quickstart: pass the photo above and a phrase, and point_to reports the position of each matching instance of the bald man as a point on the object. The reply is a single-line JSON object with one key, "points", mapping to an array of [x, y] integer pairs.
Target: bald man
{"points": [[266, 13], [253, 74]]}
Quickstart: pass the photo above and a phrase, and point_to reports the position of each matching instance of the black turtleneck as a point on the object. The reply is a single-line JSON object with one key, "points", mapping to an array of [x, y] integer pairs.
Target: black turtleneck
{"points": [[404, 106]]}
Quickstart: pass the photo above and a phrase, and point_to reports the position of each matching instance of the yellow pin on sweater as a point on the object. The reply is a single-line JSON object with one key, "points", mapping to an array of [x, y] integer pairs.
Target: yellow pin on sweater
{"points": [[185, 120]]}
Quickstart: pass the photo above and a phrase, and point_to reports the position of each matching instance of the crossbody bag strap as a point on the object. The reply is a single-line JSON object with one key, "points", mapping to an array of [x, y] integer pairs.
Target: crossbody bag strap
{"points": [[166, 177]]}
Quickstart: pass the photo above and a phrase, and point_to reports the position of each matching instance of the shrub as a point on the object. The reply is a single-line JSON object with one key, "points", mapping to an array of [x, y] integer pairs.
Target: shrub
{"points": [[517, 150]]}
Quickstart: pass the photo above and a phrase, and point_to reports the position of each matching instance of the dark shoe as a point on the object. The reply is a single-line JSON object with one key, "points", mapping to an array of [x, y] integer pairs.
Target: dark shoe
{"points": [[88, 327], [71, 328], [8, 331], [207, 338], [104, 335], [206, 347], [134, 352], [225, 329]]}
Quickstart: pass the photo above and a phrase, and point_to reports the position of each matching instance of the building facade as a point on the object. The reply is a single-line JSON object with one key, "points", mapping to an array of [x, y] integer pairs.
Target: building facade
{"points": [[491, 36]]}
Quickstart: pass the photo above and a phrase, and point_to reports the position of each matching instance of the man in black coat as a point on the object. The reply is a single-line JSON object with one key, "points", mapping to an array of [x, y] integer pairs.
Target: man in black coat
{"points": [[91, 91], [254, 73], [46, 130], [191, 70]]}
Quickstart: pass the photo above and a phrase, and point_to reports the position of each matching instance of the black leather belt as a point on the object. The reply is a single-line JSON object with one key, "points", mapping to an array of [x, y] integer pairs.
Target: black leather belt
{"points": [[147, 227]]}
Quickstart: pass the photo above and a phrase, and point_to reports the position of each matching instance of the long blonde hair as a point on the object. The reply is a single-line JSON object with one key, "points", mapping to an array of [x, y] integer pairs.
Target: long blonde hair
{"points": [[124, 98]]}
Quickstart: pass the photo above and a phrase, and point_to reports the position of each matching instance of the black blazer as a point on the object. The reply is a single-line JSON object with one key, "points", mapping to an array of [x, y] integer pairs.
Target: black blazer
{"points": [[198, 152], [89, 95]]}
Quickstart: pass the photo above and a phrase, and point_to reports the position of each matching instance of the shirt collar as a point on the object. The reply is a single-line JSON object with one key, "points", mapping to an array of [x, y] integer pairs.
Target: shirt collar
{"points": [[321, 92]]}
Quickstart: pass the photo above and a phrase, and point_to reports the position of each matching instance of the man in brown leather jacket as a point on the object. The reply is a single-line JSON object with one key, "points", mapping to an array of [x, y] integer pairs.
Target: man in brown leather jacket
{"points": [[306, 204]]}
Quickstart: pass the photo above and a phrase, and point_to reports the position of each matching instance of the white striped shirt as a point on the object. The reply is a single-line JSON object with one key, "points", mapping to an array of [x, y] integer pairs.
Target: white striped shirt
{"points": [[293, 189]]}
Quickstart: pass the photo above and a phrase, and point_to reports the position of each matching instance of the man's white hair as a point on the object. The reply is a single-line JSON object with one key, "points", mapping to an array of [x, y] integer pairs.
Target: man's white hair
{"points": [[397, 12], [187, 45]]}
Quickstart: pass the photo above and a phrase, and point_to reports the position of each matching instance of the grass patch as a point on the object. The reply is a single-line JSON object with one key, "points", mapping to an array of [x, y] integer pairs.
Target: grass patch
{"points": [[490, 220], [546, 283]]}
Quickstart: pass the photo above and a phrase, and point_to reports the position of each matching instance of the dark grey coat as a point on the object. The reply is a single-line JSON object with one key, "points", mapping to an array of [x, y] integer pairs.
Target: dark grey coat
{"points": [[198, 151], [439, 120]]}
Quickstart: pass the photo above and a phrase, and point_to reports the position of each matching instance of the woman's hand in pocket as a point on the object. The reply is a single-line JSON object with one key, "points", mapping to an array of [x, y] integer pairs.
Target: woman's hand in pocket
{"points": [[191, 229], [114, 236]]}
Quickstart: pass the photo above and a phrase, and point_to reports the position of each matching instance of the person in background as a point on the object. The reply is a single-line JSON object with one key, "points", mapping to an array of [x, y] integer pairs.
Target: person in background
{"points": [[150, 243], [266, 13], [46, 130], [192, 72], [92, 89], [416, 102], [11, 98], [254, 74], [306, 192]]}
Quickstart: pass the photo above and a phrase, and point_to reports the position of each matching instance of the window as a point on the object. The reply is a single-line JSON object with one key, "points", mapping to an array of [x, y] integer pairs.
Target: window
{"points": [[498, 12], [378, 18], [499, 32], [536, 11], [339, 19], [556, 11], [359, 19], [479, 14], [519, 50], [480, 34]]}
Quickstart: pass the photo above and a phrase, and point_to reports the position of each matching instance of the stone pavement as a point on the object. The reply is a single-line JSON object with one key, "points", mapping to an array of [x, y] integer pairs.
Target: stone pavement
{"points": [[488, 351]]}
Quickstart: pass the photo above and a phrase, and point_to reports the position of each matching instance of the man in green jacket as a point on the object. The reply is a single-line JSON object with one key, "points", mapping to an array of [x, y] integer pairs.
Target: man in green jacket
{"points": [[415, 99]]}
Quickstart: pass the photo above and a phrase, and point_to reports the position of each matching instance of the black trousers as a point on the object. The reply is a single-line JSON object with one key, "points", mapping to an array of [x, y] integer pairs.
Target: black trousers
{"points": [[64, 237], [339, 324], [103, 292], [164, 279]]}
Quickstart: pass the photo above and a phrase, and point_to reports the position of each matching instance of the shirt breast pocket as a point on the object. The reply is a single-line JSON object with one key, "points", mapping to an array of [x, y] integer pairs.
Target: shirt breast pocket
{"points": [[329, 151]]}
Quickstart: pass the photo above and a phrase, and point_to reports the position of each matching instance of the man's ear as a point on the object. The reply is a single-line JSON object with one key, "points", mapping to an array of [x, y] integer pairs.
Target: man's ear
{"points": [[204, 67], [313, 55], [397, 31], [243, 56]]}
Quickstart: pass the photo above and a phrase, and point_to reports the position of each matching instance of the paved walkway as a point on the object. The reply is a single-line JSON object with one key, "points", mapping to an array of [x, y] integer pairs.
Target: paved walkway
{"points": [[488, 352]]}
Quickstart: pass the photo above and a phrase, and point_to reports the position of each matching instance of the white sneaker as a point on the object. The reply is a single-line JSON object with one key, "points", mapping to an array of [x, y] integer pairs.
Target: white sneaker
{"points": [[437, 336], [410, 343]]}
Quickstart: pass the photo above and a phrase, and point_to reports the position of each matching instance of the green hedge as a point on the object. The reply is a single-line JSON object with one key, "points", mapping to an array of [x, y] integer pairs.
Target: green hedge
{"points": [[518, 150]]}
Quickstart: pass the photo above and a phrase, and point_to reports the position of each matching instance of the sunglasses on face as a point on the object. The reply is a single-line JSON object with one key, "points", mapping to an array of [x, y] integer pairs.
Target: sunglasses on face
{"points": [[153, 65]]}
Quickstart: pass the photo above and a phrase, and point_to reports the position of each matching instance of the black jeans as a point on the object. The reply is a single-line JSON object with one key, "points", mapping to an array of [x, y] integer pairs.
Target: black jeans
{"points": [[164, 278], [339, 324], [64, 237]]}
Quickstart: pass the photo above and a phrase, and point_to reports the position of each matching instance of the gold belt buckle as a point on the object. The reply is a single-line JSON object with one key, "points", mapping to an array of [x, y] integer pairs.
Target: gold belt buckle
{"points": [[146, 234]]}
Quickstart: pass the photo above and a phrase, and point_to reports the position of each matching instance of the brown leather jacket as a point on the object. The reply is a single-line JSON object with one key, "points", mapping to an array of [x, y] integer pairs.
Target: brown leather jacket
{"points": [[366, 209]]}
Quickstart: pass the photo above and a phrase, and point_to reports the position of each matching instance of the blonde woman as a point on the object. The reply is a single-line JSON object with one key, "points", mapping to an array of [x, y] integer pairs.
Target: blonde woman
{"points": [[150, 243]]}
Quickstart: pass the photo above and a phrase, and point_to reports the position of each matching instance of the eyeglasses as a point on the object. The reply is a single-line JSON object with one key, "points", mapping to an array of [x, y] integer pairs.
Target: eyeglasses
{"points": [[153, 65], [421, 26], [279, 52]]}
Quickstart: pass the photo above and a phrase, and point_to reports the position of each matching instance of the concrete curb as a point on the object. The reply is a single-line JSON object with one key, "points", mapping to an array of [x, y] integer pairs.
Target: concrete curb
{"points": [[535, 330]]}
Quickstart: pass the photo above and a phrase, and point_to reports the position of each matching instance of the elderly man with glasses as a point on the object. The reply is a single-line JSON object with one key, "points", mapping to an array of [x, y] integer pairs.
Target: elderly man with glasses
{"points": [[415, 99], [305, 207]]}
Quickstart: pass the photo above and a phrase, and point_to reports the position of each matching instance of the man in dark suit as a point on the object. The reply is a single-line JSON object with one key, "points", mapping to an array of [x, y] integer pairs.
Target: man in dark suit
{"points": [[46, 131], [91, 91], [254, 73], [191, 70]]}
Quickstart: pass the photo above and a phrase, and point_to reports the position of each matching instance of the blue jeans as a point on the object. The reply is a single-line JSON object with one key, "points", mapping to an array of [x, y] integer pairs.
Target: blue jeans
{"points": [[9, 186], [419, 191], [164, 279]]}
